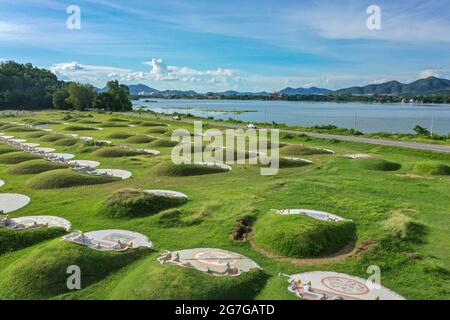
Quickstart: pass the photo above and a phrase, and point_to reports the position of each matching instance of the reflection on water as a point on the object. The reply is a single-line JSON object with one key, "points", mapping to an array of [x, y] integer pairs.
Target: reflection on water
{"points": [[369, 117]]}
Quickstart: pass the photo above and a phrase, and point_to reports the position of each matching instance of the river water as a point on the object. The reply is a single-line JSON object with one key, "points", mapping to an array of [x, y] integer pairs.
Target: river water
{"points": [[368, 118]]}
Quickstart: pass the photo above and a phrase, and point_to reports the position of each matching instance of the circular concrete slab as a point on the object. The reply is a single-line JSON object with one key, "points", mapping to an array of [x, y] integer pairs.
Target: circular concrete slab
{"points": [[323, 285], [298, 159], [32, 222], [319, 215], [148, 151], [31, 145], [45, 150], [167, 193], [85, 163], [110, 240], [358, 156], [86, 138], [17, 140], [116, 173], [10, 202], [213, 261], [105, 141], [215, 164], [65, 156]]}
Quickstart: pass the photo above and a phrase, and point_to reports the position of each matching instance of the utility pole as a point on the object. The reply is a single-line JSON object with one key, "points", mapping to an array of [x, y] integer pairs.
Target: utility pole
{"points": [[265, 116], [432, 126]]}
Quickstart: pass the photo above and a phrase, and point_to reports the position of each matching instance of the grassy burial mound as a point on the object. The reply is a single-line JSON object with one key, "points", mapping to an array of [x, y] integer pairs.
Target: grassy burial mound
{"points": [[119, 135], [42, 274], [135, 122], [184, 170], [20, 129], [6, 126], [159, 130], [51, 137], [432, 168], [88, 121], [117, 120], [11, 240], [78, 128], [299, 150], [42, 122], [37, 135], [128, 203], [376, 164], [293, 163], [65, 178], [6, 149], [236, 155], [151, 280], [300, 236], [66, 142], [152, 124], [114, 125], [163, 143], [115, 152], [139, 139], [16, 157], [35, 166]]}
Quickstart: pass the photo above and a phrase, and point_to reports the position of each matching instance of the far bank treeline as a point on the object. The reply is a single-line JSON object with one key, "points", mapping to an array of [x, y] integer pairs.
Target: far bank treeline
{"points": [[25, 87]]}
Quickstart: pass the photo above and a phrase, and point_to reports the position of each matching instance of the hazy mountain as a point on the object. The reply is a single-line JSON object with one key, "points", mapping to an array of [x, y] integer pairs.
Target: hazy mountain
{"points": [[420, 87], [304, 91], [141, 89], [178, 93], [237, 93], [431, 85]]}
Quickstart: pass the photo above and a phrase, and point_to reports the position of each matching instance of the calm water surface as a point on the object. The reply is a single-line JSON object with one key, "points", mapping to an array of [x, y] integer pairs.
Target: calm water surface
{"points": [[369, 117]]}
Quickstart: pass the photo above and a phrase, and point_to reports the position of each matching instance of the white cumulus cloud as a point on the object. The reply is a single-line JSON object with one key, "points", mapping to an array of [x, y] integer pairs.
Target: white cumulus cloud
{"points": [[159, 72], [430, 73]]}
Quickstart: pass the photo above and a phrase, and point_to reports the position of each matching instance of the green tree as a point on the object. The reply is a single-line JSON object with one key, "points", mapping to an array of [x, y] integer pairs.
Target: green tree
{"points": [[81, 96], [23, 86], [117, 98], [60, 98], [421, 131]]}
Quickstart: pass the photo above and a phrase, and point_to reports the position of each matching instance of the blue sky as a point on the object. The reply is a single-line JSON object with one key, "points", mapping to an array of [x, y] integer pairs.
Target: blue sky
{"points": [[230, 45]]}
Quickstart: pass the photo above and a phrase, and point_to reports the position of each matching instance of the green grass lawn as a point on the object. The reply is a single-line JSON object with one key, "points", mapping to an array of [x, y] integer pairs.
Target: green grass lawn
{"points": [[401, 218]]}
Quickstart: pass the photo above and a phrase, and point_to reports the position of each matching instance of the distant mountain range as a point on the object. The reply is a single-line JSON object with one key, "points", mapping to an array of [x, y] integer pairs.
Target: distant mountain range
{"points": [[304, 91], [431, 85], [428, 86]]}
